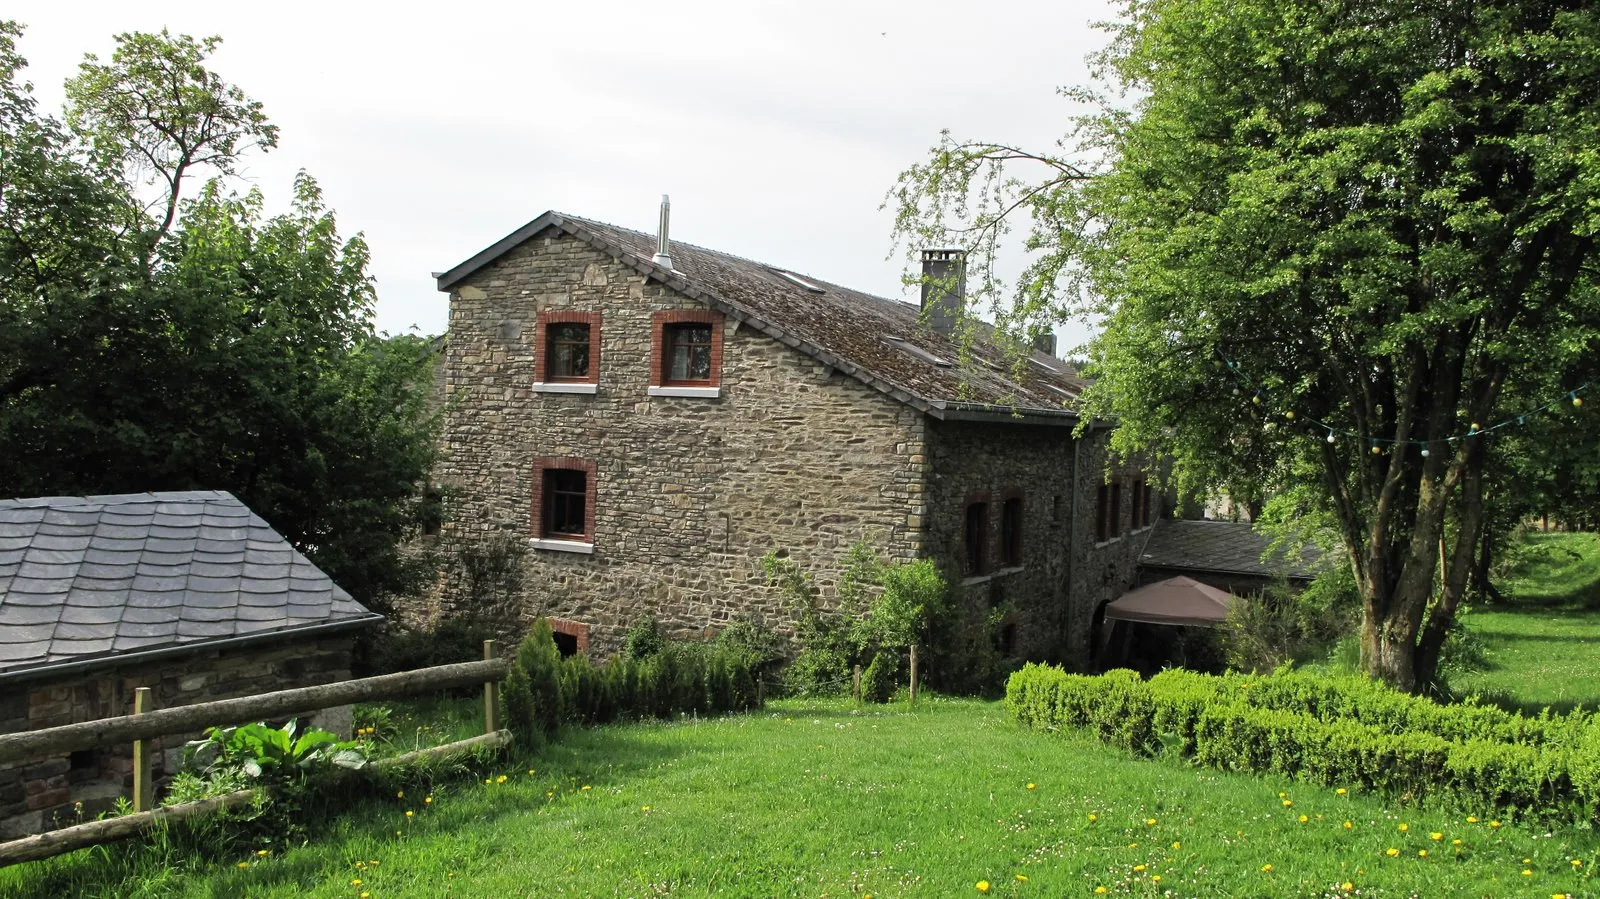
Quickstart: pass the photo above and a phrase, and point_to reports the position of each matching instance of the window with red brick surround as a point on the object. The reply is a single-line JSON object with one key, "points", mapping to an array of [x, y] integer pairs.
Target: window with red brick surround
{"points": [[676, 328], [560, 485], [544, 348], [578, 634]]}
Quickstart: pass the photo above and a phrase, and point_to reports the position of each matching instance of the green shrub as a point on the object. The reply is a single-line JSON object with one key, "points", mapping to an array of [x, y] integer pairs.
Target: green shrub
{"points": [[1327, 730], [878, 678]]}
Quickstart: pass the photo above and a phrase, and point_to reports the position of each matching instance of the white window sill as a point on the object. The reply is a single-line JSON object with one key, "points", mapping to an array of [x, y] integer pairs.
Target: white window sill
{"points": [[564, 387], [997, 573], [562, 546], [708, 393], [1105, 543]]}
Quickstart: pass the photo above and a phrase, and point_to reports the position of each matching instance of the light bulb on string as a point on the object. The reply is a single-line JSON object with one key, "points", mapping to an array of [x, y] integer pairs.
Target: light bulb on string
{"points": [[1577, 401], [1330, 435]]}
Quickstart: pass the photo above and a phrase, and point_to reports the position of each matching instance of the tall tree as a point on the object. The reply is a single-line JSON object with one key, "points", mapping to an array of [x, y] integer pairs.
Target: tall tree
{"points": [[1335, 244], [204, 345]]}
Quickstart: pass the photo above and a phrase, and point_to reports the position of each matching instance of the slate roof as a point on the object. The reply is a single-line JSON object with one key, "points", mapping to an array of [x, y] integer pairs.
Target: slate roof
{"points": [[873, 339], [1231, 547], [88, 579]]}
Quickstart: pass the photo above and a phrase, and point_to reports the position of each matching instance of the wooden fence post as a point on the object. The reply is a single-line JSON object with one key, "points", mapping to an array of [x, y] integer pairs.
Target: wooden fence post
{"points": [[855, 685], [143, 790], [913, 674], [491, 691], [761, 692]]}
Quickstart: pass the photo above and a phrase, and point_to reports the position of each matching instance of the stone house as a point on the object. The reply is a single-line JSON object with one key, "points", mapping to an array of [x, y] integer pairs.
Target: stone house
{"points": [[190, 594], [652, 417]]}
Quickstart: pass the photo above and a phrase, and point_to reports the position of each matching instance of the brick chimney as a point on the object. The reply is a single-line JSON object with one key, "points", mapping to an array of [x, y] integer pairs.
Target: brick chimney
{"points": [[944, 288]]}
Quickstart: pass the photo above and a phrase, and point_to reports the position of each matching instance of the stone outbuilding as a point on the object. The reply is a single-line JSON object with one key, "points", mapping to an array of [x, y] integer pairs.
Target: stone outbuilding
{"points": [[1228, 555], [190, 594], [649, 418]]}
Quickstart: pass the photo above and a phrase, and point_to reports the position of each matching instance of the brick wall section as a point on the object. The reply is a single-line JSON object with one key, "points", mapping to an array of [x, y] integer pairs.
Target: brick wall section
{"points": [[38, 795], [1064, 575], [690, 492]]}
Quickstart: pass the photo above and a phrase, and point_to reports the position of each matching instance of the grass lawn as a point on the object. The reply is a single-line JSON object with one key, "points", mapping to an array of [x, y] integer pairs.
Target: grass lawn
{"points": [[1544, 646], [809, 799]]}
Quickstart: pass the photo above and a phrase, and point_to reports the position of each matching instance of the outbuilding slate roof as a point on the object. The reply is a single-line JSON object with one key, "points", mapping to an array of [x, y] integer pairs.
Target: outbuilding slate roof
{"points": [[1231, 547], [876, 340], [88, 579]]}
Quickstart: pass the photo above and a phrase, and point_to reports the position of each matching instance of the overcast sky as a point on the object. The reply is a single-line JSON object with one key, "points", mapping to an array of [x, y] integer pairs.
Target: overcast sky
{"points": [[777, 127]]}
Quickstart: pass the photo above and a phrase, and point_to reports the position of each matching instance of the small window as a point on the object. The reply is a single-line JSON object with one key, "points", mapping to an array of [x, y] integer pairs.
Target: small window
{"points": [[1102, 521], [687, 354], [1114, 525], [566, 644], [431, 511], [1055, 509], [1011, 531], [566, 495], [568, 346], [977, 532]]}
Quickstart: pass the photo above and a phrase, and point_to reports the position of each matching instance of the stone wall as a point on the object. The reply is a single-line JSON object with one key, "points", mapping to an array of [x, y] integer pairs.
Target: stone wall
{"points": [[1064, 575], [691, 491], [41, 794]]}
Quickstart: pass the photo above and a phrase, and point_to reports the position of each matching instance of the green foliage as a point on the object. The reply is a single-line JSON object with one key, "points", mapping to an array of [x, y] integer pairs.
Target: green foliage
{"points": [[878, 678], [644, 639], [206, 345], [1296, 217], [1330, 731], [544, 691], [1280, 626], [881, 608], [273, 754]]}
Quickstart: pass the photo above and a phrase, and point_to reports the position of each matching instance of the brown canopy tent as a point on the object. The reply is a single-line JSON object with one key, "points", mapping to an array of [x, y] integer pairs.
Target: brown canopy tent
{"points": [[1179, 600]]}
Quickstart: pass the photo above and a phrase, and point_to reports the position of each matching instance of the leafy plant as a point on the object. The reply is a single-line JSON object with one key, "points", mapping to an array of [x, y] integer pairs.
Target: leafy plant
{"points": [[273, 753]]}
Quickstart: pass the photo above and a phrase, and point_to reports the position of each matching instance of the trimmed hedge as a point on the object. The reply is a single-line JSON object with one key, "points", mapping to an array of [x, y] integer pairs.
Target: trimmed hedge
{"points": [[1329, 731], [544, 691]]}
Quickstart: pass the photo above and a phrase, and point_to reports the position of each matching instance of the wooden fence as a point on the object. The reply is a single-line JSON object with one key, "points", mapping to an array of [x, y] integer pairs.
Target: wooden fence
{"points": [[146, 723]]}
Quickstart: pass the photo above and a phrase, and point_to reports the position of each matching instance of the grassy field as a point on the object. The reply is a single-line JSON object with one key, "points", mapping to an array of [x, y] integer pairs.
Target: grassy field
{"points": [[822, 800], [1543, 647]]}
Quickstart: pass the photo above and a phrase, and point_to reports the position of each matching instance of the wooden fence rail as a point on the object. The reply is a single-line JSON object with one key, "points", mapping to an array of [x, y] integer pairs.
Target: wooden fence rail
{"points": [[283, 703]]}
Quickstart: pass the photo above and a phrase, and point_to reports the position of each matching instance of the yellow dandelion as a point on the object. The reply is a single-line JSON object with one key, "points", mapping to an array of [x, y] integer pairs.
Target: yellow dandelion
{"points": [[1030, 786], [585, 787], [1436, 837], [501, 779], [1527, 861], [1348, 825], [1391, 852], [1472, 819], [409, 813], [530, 772], [1099, 891], [1577, 863], [1138, 869], [983, 886], [1093, 817], [1455, 842], [427, 800], [1133, 845], [1177, 845], [355, 883], [1150, 822], [1422, 853], [1022, 878], [1266, 869], [263, 853], [400, 795], [1404, 827], [244, 864], [487, 781], [1527, 873], [1347, 886], [1155, 878], [1304, 819], [366, 895], [373, 863], [1288, 803], [1494, 824], [1283, 795], [1342, 791], [644, 808]]}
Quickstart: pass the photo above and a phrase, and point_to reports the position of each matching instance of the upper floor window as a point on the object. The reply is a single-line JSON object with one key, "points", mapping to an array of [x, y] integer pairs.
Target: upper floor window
{"points": [[568, 346], [1108, 512], [687, 354], [567, 351], [977, 537], [1011, 531]]}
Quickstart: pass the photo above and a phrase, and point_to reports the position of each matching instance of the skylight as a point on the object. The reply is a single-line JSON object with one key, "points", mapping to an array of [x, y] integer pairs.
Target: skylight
{"points": [[796, 279], [900, 343]]}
